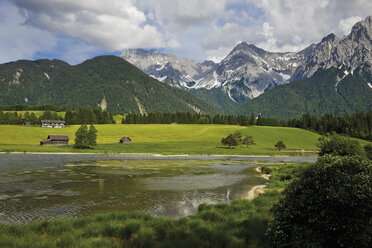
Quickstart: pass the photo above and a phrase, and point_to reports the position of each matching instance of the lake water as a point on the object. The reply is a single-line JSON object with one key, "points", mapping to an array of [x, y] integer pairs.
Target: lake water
{"points": [[45, 186]]}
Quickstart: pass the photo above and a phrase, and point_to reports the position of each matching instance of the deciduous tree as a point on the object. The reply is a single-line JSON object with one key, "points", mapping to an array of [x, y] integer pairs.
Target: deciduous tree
{"points": [[280, 145]]}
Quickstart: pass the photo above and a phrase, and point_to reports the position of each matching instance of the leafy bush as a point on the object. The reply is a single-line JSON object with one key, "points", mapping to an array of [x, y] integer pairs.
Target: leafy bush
{"points": [[339, 146], [368, 150], [328, 206]]}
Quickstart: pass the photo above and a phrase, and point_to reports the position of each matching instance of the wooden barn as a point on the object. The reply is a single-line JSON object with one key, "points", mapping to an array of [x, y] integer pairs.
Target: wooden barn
{"points": [[52, 123], [55, 140], [125, 140]]}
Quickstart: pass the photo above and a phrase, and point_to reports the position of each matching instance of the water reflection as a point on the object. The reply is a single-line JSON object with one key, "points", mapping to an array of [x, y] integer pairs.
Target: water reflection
{"points": [[35, 187]]}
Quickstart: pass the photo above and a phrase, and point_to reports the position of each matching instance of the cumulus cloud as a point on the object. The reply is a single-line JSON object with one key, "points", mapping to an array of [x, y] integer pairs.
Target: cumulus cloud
{"points": [[346, 24], [110, 24], [194, 28], [298, 23], [178, 14], [19, 41]]}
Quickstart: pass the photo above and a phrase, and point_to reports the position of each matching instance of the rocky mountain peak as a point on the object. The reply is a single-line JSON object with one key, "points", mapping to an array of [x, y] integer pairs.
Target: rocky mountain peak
{"points": [[248, 71], [362, 31], [245, 47], [330, 38]]}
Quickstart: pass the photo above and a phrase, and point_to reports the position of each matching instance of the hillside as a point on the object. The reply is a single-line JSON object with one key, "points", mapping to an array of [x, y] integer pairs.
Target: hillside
{"points": [[105, 81], [335, 90]]}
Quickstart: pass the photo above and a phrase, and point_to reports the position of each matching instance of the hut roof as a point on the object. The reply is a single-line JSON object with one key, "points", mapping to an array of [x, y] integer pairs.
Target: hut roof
{"points": [[59, 137]]}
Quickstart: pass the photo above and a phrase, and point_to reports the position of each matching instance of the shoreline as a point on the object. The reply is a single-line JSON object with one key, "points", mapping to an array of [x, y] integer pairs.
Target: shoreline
{"points": [[258, 189], [154, 154]]}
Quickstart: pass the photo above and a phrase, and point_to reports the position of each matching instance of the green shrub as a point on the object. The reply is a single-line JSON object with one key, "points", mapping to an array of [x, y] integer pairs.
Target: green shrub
{"points": [[329, 205], [339, 146]]}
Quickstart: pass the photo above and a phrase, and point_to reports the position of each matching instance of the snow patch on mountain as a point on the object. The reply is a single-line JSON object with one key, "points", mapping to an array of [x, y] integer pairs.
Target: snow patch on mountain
{"points": [[249, 71]]}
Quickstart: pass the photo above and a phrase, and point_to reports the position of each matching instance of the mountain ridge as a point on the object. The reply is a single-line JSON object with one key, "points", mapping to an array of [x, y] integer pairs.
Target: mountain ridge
{"points": [[103, 81], [249, 71]]}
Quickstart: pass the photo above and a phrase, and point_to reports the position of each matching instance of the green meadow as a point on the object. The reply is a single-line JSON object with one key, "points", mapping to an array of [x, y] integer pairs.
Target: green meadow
{"points": [[162, 139]]}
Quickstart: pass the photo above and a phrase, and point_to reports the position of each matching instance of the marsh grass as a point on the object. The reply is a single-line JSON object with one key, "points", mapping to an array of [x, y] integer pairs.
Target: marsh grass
{"points": [[239, 224]]}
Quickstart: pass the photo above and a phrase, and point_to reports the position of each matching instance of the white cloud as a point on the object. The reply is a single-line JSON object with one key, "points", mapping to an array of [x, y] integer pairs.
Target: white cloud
{"points": [[183, 14], [20, 41], [198, 29], [111, 24], [346, 24], [298, 23]]}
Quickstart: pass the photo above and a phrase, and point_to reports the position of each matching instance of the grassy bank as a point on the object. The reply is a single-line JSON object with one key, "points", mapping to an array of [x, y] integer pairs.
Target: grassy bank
{"points": [[163, 139], [240, 224]]}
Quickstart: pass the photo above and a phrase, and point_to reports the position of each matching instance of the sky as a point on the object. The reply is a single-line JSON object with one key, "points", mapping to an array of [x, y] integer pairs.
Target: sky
{"points": [[73, 30]]}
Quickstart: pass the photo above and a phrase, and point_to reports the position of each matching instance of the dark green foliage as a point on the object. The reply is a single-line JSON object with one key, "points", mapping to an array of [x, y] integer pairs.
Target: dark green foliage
{"points": [[238, 137], [229, 141], [339, 146], [252, 119], [368, 150], [316, 95], [92, 136], [105, 78], [216, 98], [280, 145], [248, 141], [203, 120], [330, 205], [48, 115], [82, 138]]}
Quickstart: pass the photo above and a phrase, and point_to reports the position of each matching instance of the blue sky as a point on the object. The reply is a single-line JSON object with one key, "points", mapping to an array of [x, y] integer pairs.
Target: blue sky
{"points": [[74, 31]]}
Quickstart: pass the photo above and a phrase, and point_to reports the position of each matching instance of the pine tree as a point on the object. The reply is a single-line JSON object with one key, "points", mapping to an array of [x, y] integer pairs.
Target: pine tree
{"points": [[69, 118], [252, 119], [81, 138], [92, 136]]}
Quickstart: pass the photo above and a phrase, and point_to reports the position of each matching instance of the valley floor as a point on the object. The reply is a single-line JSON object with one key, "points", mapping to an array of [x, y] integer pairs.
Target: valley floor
{"points": [[163, 139]]}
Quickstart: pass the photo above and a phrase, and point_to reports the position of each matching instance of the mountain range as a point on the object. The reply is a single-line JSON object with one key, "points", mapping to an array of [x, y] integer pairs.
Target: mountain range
{"points": [[248, 71], [333, 76], [107, 82]]}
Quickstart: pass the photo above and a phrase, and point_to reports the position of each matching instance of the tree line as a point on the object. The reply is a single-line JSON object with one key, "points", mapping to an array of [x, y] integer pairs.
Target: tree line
{"points": [[357, 125], [33, 108], [80, 116], [30, 119], [88, 116]]}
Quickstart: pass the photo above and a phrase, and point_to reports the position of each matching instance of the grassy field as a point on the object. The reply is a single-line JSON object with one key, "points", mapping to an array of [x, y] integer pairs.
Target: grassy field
{"points": [[162, 139], [242, 223]]}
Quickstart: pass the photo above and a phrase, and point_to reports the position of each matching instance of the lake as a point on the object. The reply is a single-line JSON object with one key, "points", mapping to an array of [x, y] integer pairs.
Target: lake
{"points": [[44, 186]]}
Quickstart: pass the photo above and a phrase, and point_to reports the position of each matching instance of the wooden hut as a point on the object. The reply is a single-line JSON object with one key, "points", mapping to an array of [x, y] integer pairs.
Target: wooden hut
{"points": [[52, 123], [55, 140], [125, 140]]}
